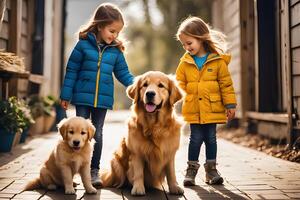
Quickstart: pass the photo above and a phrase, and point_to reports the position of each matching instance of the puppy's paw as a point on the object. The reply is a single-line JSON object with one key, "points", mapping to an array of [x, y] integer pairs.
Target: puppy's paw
{"points": [[69, 191], [91, 190], [138, 190], [175, 189]]}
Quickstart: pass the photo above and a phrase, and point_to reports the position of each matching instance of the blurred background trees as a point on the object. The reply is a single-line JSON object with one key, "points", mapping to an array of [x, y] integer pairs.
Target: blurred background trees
{"points": [[150, 30], [154, 42]]}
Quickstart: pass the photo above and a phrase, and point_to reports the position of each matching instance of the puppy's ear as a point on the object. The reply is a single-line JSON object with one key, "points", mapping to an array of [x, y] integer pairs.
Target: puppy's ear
{"points": [[175, 92], [132, 90], [91, 129], [62, 127]]}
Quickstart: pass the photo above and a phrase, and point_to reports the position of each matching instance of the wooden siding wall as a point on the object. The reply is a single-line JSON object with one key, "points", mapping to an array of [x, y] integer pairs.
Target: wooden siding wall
{"points": [[228, 22], [4, 32], [295, 54], [247, 45], [15, 36], [26, 31], [25, 46]]}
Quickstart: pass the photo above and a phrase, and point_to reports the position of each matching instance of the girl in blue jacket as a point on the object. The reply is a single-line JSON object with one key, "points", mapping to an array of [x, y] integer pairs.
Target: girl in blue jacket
{"points": [[88, 81]]}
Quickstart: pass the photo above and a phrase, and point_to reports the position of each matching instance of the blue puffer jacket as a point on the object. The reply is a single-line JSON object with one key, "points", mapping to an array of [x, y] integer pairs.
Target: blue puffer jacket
{"points": [[88, 80]]}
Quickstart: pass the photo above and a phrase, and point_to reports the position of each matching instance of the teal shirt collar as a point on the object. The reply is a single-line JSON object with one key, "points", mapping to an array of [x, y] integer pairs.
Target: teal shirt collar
{"points": [[200, 60]]}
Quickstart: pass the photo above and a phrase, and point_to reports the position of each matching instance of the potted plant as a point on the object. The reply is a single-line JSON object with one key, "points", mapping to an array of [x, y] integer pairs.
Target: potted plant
{"points": [[11, 123], [49, 112], [36, 106], [43, 111], [27, 119]]}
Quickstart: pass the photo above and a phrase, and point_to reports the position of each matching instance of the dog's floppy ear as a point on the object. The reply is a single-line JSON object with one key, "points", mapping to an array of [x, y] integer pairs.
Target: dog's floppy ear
{"points": [[62, 127], [175, 92], [132, 90], [91, 129]]}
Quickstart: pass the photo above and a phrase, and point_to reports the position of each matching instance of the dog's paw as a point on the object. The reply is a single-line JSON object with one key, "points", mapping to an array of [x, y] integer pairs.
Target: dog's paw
{"points": [[69, 191], [175, 189], [138, 190], [91, 190]]}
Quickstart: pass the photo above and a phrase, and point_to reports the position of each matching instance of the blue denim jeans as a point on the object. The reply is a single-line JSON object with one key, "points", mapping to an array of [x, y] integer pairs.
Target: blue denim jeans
{"points": [[97, 116], [202, 133]]}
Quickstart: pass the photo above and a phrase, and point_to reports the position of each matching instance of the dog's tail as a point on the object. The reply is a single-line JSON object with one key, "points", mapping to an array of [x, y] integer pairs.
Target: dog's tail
{"points": [[33, 184], [116, 176]]}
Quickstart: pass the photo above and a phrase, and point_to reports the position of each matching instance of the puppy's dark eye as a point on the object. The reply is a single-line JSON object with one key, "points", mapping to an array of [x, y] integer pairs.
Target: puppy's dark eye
{"points": [[145, 85], [83, 133], [71, 132], [160, 85]]}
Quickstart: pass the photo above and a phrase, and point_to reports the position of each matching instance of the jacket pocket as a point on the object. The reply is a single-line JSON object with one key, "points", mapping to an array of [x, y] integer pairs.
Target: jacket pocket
{"points": [[216, 103], [190, 105]]}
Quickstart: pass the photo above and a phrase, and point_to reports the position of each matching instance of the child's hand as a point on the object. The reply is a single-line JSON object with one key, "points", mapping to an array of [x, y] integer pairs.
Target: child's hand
{"points": [[64, 104], [230, 113]]}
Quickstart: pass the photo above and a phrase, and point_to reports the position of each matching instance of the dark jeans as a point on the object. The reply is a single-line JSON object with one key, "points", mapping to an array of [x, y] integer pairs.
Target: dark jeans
{"points": [[202, 133], [97, 116]]}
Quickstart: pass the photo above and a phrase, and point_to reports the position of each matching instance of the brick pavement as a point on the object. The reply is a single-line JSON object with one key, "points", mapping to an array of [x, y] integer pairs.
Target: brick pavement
{"points": [[248, 174]]}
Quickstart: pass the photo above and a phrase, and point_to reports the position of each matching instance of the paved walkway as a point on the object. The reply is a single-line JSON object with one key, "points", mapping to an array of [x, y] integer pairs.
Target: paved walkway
{"points": [[248, 174]]}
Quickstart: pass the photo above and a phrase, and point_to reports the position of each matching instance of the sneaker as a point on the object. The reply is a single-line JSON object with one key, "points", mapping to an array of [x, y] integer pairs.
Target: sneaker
{"points": [[95, 179]]}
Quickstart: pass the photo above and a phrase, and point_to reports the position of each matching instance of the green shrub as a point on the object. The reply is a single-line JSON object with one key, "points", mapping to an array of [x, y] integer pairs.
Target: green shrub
{"points": [[41, 105], [15, 115]]}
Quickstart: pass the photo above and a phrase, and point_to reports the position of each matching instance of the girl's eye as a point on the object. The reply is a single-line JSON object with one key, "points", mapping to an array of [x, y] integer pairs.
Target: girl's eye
{"points": [[189, 43], [83, 133], [160, 85], [71, 132], [145, 85]]}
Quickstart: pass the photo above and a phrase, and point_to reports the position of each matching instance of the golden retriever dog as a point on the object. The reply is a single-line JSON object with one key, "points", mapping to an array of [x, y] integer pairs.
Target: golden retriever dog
{"points": [[146, 156], [71, 155]]}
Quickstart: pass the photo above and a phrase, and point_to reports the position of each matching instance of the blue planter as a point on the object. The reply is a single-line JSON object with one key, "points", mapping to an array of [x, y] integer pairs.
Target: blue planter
{"points": [[24, 136], [6, 140]]}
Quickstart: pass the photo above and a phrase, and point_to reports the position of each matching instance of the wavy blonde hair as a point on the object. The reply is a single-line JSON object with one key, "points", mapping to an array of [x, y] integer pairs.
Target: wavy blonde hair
{"points": [[104, 15], [213, 41]]}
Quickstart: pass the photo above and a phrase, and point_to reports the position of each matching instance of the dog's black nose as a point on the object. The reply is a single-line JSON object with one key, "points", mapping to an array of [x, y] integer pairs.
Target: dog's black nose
{"points": [[150, 95], [76, 143]]}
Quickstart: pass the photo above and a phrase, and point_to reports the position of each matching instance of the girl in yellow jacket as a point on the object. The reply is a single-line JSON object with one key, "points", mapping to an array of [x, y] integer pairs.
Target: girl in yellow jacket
{"points": [[210, 99]]}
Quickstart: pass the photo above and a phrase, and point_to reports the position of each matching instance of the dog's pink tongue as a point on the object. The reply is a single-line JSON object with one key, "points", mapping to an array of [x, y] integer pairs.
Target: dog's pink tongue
{"points": [[150, 107]]}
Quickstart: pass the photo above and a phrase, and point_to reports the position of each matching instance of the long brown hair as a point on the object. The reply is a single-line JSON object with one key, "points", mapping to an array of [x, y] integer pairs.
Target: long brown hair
{"points": [[104, 15], [213, 41]]}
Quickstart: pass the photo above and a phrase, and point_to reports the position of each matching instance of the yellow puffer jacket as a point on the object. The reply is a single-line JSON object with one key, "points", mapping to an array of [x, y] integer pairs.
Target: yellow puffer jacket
{"points": [[207, 90]]}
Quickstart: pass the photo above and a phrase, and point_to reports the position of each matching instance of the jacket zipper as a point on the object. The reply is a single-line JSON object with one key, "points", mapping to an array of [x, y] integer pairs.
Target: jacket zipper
{"points": [[98, 76]]}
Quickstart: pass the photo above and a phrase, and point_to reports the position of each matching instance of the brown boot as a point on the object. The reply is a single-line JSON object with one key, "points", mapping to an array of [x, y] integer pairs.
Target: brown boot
{"points": [[213, 177], [191, 172]]}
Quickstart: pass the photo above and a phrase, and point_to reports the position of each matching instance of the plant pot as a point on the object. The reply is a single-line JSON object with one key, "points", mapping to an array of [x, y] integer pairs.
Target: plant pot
{"points": [[37, 127], [49, 121], [6, 140], [17, 139], [24, 136]]}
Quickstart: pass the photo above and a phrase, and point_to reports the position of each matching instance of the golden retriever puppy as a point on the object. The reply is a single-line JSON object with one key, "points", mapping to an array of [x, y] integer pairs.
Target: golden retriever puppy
{"points": [[71, 155], [146, 156]]}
